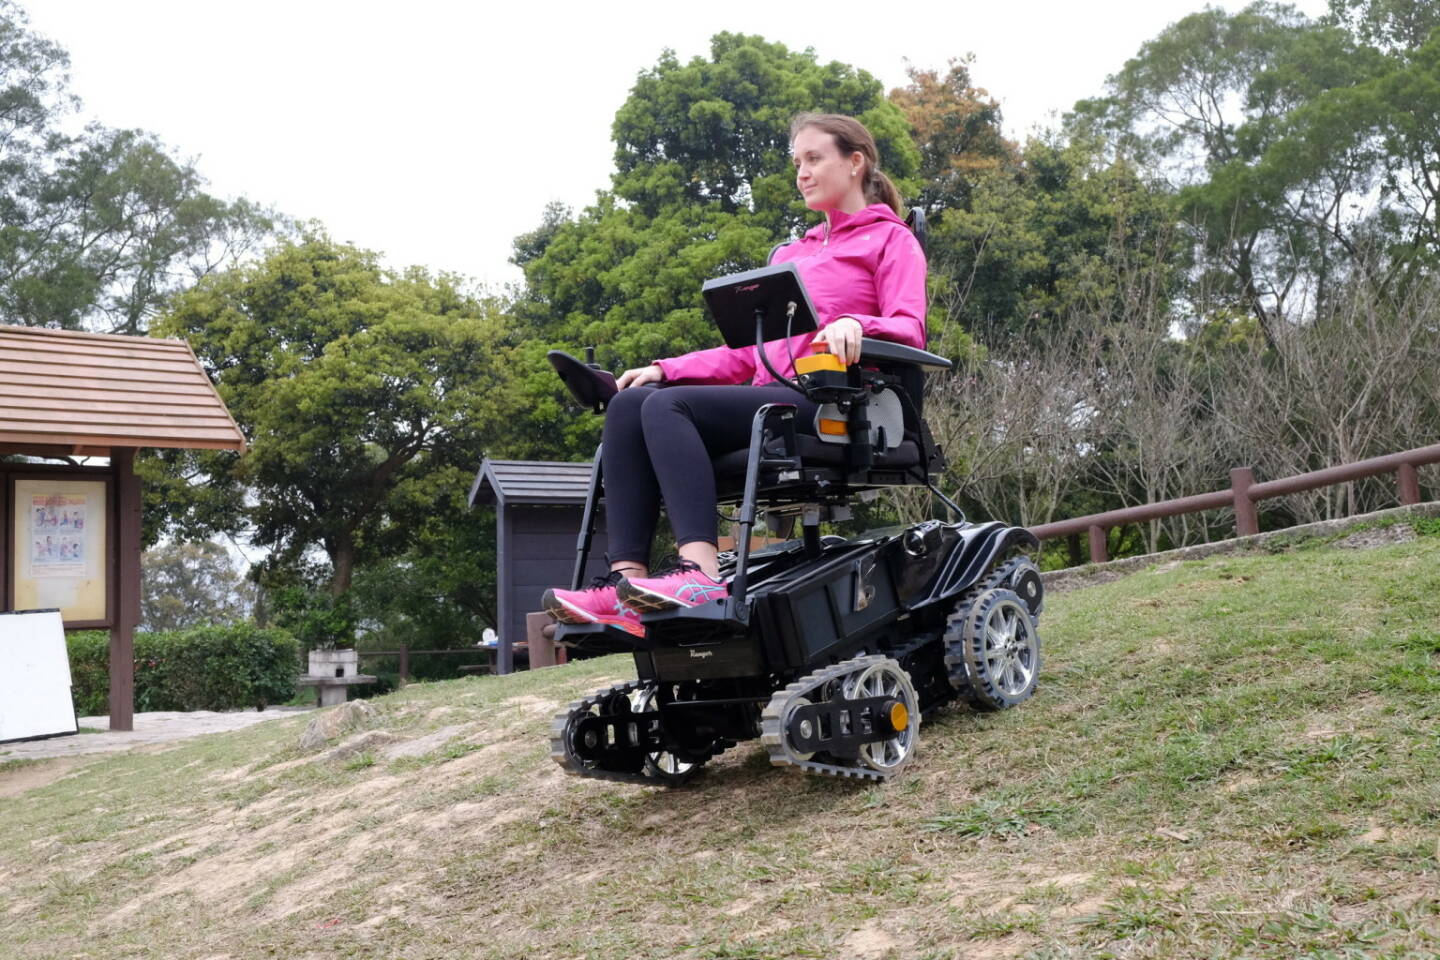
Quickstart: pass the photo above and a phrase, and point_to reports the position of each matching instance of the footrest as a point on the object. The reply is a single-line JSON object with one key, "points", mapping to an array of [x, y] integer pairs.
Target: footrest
{"points": [[598, 638]]}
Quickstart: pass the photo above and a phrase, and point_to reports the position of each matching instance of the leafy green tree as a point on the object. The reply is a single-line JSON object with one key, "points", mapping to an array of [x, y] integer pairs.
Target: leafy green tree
{"points": [[96, 228], [440, 593], [367, 398], [1394, 26], [1049, 243], [703, 186], [190, 584], [1304, 153]]}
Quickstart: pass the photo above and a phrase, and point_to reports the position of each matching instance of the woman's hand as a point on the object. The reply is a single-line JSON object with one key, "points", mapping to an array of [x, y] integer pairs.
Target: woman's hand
{"points": [[842, 338], [640, 376]]}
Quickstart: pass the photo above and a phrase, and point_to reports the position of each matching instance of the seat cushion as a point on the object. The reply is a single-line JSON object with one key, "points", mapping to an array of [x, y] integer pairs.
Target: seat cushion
{"points": [[814, 452]]}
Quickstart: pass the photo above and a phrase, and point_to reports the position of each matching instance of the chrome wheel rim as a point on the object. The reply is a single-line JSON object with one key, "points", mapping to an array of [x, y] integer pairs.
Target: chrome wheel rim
{"points": [[886, 680], [1012, 650], [664, 761]]}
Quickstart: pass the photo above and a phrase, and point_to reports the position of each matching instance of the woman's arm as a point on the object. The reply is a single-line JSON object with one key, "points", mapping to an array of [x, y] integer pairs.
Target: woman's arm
{"points": [[720, 365], [900, 292]]}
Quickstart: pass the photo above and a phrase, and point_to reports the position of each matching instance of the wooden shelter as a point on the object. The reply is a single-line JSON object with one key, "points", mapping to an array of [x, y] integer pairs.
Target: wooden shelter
{"points": [[71, 531], [538, 509]]}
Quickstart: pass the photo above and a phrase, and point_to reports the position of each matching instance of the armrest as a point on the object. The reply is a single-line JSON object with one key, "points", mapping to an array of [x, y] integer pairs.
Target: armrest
{"points": [[888, 352], [590, 386]]}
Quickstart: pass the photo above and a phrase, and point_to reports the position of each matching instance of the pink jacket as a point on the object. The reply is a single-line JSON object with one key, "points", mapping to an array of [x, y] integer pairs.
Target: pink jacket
{"points": [[865, 265]]}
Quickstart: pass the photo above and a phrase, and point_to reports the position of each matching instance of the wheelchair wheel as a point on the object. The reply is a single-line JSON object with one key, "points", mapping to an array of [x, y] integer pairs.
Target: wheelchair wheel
{"points": [[663, 766], [1001, 650]]}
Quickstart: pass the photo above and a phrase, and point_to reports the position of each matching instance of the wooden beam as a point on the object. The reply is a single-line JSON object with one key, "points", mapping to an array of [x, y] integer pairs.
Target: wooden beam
{"points": [[127, 594]]}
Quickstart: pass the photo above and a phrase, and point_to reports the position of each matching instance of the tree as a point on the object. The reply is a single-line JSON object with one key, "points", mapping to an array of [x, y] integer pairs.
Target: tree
{"points": [[367, 398], [957, 128], [440, 593], [703, 186], [1046, 245], [1302, 152], [192, 584], [96, 228]]}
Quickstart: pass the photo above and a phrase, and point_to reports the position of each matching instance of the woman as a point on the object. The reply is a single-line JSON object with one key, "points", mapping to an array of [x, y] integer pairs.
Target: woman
{"points": [[866, 277]]}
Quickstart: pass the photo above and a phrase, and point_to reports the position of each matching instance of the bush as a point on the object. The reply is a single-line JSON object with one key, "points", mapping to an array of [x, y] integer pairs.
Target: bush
{"points": [[202, 668]]}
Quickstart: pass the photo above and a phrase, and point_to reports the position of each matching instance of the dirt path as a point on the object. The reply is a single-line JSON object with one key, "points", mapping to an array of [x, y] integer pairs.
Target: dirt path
{"points": [[149, 728]]}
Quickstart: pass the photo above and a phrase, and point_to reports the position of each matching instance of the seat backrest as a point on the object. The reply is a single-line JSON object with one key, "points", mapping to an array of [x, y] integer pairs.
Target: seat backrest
{"points": [[911, 375]]}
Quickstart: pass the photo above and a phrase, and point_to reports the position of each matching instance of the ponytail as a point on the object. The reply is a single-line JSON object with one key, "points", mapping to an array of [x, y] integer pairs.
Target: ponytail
{"points": [[880, 189]]}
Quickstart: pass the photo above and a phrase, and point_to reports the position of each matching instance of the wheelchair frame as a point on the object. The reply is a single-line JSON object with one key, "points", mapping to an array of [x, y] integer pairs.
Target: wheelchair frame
{"points": [[824, 645]]}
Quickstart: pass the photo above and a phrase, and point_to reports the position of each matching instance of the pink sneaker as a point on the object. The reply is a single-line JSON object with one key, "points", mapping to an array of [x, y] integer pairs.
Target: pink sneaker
{"points": [[596, 604], [684, 585]]}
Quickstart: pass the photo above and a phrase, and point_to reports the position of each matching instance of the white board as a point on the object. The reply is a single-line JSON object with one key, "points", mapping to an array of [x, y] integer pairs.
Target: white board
{"points": [[34, 677]]}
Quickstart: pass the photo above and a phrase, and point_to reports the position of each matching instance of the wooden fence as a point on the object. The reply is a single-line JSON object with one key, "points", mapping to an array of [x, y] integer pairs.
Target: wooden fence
{"points": [[1243, 494]]}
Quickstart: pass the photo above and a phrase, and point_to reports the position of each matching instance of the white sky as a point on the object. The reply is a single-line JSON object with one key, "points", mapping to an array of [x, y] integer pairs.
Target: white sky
{"points": [[436, 131]]}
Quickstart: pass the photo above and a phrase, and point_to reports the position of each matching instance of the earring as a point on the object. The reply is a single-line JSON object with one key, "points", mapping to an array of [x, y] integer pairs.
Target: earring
{"points": [[853, 172]]}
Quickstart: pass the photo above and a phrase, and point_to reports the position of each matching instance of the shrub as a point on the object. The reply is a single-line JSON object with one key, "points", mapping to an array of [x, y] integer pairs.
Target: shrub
{"points": [[202, 668]]}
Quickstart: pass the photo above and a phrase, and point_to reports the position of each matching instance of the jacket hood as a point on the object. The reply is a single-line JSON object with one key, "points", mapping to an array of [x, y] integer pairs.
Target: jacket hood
{"points": [[875, 213]]}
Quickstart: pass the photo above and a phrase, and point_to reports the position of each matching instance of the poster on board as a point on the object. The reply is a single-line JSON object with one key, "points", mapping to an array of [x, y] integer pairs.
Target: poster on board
{"points": [[35, 697], [57, 534], [60, 547]]}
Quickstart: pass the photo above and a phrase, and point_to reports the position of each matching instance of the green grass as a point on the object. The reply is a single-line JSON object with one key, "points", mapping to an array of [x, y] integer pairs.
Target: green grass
{"points": [[1228, 758]]}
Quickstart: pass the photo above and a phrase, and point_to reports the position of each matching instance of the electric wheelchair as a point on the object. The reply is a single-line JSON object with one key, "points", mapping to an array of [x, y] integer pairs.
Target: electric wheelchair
{"points": [[829, 650]]}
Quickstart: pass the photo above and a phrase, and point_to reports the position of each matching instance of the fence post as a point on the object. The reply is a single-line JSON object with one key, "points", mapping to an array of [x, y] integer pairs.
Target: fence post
{"points": [[1098, 553], [404, 664], [1409, 480], [1247, 523], [542, 649]]}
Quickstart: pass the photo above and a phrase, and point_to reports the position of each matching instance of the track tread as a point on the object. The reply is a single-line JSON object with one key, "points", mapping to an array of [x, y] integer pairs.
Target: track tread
{"points": [[773, 737]]}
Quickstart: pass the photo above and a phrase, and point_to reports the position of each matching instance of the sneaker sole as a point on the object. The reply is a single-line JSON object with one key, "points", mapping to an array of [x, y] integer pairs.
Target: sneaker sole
{"points": [[562, 612], [642, 600]]}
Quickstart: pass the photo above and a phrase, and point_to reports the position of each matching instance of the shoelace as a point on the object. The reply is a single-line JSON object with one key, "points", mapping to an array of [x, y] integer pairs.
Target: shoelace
{"points": [[610, 579], [674, 565]]}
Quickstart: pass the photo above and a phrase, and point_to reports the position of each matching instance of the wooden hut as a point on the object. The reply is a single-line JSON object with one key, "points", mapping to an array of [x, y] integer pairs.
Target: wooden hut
{"points": [[538, 509], [72, 531]]}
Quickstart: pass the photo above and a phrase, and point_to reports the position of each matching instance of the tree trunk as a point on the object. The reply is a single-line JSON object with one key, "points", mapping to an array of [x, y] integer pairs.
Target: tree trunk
{"points": [[343, 561]]}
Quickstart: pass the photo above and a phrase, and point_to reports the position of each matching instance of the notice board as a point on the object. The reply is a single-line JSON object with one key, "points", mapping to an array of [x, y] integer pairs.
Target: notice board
{"points": [[35, 696], [61, 547]]}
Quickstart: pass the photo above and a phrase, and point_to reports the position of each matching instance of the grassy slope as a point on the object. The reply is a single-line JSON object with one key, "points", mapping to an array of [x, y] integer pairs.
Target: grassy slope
{"points": [[1229, 758]]}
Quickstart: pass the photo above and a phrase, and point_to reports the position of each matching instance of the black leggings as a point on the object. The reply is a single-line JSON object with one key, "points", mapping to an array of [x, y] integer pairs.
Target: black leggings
{"points": [[658, 442]]}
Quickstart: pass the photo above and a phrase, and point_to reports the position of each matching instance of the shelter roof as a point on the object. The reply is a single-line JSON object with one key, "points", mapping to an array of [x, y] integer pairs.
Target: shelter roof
{"points": [[530, 481], [84, 393]]}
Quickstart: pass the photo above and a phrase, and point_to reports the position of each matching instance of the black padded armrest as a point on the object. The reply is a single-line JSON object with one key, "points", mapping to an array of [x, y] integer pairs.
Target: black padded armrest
{"points": [[884, 350], [590, 386]]}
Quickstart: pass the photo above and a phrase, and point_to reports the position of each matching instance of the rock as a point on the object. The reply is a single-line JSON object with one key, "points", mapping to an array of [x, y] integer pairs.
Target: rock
{"points": [[331, 724]]}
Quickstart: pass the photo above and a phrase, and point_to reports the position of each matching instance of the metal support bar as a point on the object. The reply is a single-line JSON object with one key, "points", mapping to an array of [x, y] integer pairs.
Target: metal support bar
{"points": [[786, 413], [587, 523]]}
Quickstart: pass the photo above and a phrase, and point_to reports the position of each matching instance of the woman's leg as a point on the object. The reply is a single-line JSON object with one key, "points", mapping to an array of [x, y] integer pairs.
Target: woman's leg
{"points": [[632, 495], [684, 427]]}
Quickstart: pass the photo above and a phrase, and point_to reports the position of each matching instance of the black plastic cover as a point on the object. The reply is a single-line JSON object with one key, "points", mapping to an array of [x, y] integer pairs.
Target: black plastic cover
{"points": [[734, 299]]}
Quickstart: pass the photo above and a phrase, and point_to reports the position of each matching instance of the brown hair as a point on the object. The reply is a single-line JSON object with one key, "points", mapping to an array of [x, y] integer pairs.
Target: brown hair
{"points": [[852, 137]]}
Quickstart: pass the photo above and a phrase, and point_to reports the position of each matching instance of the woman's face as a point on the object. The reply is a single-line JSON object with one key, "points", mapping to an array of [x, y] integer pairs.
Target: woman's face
{"points": [[823, 176]]}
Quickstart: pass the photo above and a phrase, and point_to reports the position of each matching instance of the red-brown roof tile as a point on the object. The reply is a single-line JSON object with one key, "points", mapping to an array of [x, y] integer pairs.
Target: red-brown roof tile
{"points": [[95, 390]]}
